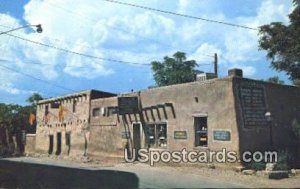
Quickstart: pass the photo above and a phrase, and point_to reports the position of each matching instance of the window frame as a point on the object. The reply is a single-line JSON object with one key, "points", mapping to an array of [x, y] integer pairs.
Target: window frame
{"points": [[96, 112], [198, 131], [156, 138]]}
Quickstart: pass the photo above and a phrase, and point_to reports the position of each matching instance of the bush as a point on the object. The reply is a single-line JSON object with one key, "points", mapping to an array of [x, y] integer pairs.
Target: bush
{"points": [[283, 159], [257, 166]]}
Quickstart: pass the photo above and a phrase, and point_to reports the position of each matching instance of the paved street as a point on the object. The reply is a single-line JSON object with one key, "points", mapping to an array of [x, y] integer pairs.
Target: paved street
{"points": [[157, 177], [148, 177]]}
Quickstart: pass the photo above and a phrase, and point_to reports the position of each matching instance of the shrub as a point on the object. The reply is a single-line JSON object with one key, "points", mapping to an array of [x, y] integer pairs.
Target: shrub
{"points": [[258, 166], [283, 159]]}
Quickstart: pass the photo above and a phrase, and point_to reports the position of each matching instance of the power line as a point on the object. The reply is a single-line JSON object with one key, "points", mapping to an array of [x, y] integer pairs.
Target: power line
{"points": [[75, 44], [47, 64], [76, 53], [80, 54], [41, 80], [179, 14], [39, 63]]}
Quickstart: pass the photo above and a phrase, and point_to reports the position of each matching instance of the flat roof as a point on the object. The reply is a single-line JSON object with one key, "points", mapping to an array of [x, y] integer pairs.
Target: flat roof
{"points": [[72, 95]]}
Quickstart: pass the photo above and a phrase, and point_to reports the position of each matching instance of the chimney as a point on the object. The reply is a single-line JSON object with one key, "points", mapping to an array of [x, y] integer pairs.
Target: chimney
{"points": [[235, 72]]}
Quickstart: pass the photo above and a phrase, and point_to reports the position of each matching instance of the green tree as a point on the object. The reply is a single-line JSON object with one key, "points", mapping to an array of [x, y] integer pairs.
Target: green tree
{"points": [[174, 70], [282, 43], [275, 80], [34, 98], [17, 117]]}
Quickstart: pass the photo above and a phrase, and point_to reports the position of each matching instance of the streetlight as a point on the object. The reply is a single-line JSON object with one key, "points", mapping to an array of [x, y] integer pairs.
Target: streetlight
{"points": [[268, 117], [39, 28]]}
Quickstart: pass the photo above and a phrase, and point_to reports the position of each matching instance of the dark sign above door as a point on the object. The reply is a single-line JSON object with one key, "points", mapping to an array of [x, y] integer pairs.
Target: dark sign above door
{"points": [[222, 135], [128, 105]]}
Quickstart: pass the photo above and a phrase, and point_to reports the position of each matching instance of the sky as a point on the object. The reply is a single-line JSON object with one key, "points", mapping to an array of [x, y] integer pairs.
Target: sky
{"points": [[109, 31]]}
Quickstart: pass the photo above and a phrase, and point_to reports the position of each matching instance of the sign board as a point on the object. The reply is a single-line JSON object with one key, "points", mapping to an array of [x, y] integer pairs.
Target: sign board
{"points": [[252, 97], [128, 105], [222, 135], [125, 135], [180, 135]]}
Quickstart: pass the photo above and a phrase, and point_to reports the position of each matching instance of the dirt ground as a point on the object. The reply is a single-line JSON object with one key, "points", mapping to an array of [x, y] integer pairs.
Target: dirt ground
{"points": [[221, 173]]}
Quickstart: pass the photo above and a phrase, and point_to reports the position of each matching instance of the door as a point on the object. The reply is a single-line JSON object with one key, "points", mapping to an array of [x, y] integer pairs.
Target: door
{"points": [[50, 150], [137, 136], [58, 147]]}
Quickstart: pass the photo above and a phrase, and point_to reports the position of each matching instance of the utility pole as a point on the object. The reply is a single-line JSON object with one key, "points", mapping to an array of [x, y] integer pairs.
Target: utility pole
{"points": [[216, 64]]}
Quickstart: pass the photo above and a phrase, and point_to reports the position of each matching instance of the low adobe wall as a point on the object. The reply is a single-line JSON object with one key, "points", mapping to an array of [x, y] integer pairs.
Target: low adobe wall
{"points": [[30, 143]]}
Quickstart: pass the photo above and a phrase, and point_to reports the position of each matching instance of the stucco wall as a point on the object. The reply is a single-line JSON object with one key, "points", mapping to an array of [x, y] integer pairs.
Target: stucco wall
{"points": [[215, 97], [74, 122], [30, 143], [105, 128], [283, 102]]}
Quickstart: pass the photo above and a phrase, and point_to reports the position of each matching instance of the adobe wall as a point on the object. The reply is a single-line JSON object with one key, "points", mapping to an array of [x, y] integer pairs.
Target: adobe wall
{"points": [[75, 123], [30, 143], [105, 129], [213, 97], [283, 102]]}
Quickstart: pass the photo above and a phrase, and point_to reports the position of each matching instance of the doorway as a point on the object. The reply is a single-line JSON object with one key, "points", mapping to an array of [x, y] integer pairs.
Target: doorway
{"points": [[68, 141], [50, 150], [58, 147], [201, 136], [136, 136]]}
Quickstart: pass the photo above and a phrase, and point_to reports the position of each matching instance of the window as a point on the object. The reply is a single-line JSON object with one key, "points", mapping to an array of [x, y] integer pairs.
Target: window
{"points": [[46, 110], [74, 106], [157, 135], [55, 105], [200, 131], [112, 111], [96, 112]]}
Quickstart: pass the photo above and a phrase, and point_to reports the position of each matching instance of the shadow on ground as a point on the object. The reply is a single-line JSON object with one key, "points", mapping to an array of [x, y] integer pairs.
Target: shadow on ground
{"points": [[30, 175]]}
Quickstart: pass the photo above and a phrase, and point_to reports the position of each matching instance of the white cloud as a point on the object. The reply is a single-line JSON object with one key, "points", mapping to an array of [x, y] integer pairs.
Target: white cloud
{"points": [[9, 88], [202, 56], [241, 45], [93, 26], [182, 5]]}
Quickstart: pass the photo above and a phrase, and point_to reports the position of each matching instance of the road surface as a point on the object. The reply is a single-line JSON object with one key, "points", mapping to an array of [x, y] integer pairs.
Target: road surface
{"points": [[127, 175]]}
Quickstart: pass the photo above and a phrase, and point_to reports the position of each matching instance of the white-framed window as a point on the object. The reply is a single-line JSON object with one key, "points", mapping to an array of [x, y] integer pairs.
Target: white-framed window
{"points": [[157, 135]]}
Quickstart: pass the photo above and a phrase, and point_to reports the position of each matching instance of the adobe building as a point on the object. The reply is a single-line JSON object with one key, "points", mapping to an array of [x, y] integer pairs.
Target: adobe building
{"points": [[231, 112], [63, 124]]}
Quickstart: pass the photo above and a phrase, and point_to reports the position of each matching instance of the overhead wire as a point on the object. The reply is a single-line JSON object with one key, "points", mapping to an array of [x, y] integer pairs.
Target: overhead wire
{"points": [[179, 14], [76, 53], [35, 78]]}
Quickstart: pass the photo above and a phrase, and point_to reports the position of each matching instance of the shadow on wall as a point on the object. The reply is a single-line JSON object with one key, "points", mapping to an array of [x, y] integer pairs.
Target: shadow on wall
{"points": [[30, 175]]}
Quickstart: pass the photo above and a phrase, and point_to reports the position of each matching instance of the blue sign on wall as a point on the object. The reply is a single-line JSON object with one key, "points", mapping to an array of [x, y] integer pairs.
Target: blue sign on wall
{"points": [[222, 135]]}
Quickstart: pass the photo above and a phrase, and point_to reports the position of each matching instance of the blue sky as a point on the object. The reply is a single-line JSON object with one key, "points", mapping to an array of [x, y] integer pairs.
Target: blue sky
{"points": [[112, 31]]}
